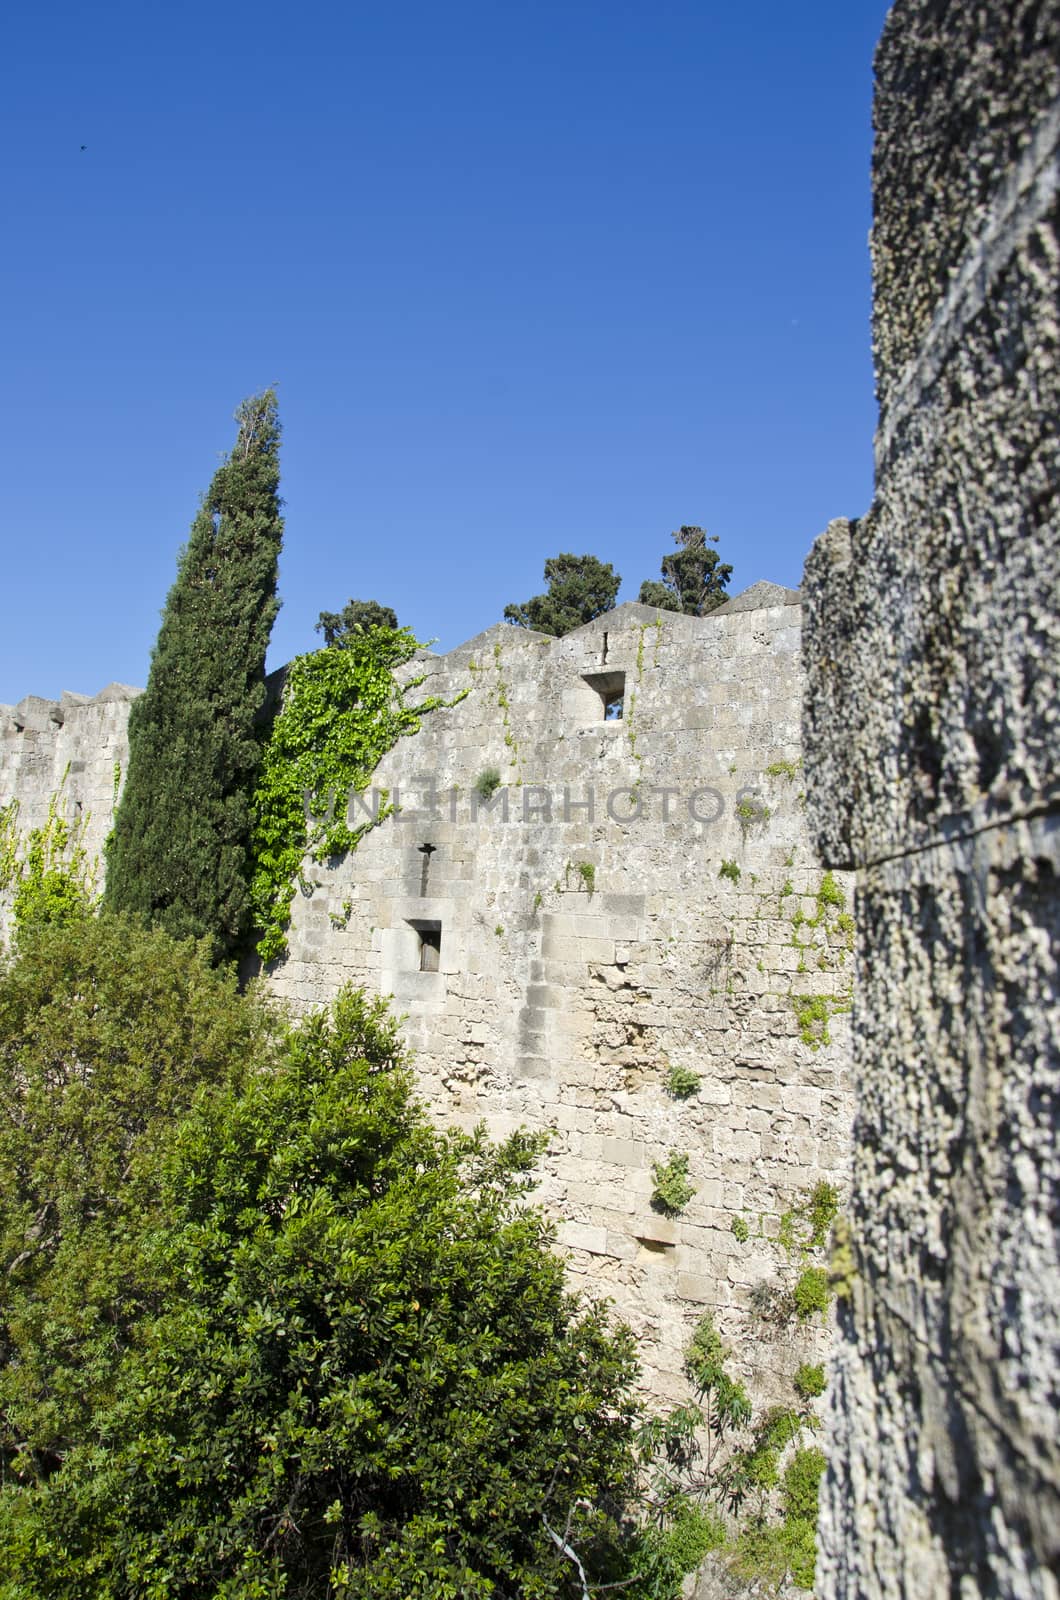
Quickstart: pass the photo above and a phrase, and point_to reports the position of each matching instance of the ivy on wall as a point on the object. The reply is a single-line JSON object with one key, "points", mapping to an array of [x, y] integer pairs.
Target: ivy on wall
{"points": [[342, 710], [49, 870]]}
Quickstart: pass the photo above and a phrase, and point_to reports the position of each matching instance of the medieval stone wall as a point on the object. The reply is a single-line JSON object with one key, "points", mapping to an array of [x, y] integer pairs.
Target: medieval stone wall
{"points": [[931, 732], [609, 914], [584, 949], [71, 752]]}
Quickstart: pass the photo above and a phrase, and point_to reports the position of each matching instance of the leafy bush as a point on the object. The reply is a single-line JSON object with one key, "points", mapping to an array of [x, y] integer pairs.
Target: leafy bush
{"points": [[299, 1341], [681, 1082], [730, 870], [672, 1190], [809, 1380], [811, 1293], [106, 1034]]}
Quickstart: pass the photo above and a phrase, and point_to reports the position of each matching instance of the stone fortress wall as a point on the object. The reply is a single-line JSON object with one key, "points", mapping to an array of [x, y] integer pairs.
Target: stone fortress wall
{"points": [[72, 751], [581, 949], [932, 740]]}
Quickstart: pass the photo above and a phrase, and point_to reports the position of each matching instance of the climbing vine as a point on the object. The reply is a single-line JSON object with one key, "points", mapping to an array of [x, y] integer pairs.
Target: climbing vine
{"points": [[504, 703], [50, 871], [8, 845], [342, 710]]}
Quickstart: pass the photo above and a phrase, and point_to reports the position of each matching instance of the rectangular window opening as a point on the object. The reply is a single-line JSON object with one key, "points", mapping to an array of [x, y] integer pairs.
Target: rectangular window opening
{"points": [[609, 693], [430, 937]]}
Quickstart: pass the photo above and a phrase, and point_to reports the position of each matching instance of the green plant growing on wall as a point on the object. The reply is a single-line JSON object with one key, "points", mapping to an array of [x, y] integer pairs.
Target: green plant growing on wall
{"points": [[813, 1013], [812, 1293], [783, 769], [487, 783], [50, 872], [342, 710], [740, 1231], [723, 1400], [829, 893], [672, 1188], [809, 1381], [730, 870], [504, 706], [768, 1551], [681, 1082], [9, 838], [805, 1226], [751, 813], [587, 873]]}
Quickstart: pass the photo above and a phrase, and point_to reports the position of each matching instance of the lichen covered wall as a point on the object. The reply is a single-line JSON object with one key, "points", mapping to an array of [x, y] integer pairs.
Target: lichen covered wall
{"points": [[931, 739]]}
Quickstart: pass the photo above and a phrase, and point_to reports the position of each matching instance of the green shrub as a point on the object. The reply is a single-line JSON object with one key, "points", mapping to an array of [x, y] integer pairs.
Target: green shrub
{"points": [[672, 1190], [730, 870], [681, 1082], [740, 1230], [355, 1369], [487, 783], [802, 1478], [809, 1380], [811, 1293]]}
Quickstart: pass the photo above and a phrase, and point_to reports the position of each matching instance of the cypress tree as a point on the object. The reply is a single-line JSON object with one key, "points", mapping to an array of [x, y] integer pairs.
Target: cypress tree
{"points": [[178, 857]]}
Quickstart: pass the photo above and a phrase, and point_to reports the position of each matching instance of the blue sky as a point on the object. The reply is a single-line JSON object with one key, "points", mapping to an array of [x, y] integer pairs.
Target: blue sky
{"points": [[529, 277]]}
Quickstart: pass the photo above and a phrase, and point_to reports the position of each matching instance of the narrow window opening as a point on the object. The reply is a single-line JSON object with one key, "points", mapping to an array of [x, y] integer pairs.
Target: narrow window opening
{"points": [[429, 935], [609, 694], [603, 658]]}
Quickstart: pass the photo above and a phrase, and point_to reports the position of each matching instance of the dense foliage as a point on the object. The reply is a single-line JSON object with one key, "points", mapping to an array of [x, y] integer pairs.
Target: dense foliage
{"points": [[292, 1341], [179, 852], [106, 1032], [343, 709], [694, 578], [337, 626], [579, 589]]}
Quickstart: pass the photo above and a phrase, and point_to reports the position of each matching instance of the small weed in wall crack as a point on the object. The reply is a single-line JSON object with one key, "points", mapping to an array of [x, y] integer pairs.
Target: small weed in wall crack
{"points": [[487, 783], [681, 1082]]}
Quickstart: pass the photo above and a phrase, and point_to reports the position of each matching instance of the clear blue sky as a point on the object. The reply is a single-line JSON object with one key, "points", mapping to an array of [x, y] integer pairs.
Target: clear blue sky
{"points": [[530, 276]]}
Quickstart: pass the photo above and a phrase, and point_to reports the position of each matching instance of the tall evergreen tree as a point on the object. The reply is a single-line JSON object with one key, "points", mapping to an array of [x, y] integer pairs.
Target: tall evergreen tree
{"points": [[179, 853], [579, 589], [694, 577]]}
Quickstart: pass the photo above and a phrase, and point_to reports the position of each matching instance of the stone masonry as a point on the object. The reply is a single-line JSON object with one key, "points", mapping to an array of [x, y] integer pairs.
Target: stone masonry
{"points": [[638, 894], [931, 735]]}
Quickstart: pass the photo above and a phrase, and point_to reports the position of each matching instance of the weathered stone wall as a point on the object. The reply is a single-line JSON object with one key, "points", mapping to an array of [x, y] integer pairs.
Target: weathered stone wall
{"points": [[564, 995], [931, 737], [72, 751], [560, 1003]]}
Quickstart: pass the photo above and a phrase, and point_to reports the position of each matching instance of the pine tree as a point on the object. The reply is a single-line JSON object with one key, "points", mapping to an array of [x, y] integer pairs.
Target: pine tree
{"points": [[694, 577], [179, 853], [579, 589]]}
